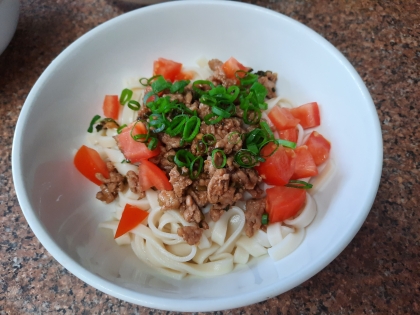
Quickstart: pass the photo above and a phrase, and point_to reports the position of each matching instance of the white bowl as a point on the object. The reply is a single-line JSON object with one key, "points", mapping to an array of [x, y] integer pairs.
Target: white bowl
{"points": [[59, 203], [9, 16]]}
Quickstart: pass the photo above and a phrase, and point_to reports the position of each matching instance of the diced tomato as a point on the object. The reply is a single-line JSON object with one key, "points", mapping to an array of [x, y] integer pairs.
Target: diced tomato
{"points": [[319, 147], [308, 114], [89, 162], [111, 106], [131, 217], [282, 118], [167, 68], [185, 75], [290, 134], [231, 66], [277, 168], [133, 150], [284, 202], [305, 165], [151, 175]]}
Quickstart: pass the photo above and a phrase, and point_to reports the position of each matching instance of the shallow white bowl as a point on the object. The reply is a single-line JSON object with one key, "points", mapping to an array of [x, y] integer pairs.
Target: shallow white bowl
{"points": [[59, 203], [9, 16]]}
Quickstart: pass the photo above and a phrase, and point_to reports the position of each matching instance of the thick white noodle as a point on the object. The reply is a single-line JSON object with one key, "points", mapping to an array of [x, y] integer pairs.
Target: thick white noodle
{"points": [[320, 181], [115, 156], [287, 245], [286, 230], [274, 233], [236, 218], [204, 242], [141, 203], [112, 225], [203, 254], [157, 243], [241, 256], [251, 245], [306, 216], [153, 220], [262, 238], [152, 197], [301, 132]]}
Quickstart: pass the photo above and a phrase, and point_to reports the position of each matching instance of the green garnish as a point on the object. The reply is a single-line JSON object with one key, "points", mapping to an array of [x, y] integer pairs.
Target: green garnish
{"points": [[299, 184], [126, 95], [213, 158], [92, 122]]}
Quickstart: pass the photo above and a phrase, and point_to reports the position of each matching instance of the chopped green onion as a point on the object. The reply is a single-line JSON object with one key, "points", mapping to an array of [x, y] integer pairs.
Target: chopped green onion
{"points": [[143, 82], [255, 114], [285, 143], [152, 143], [125, 161], [272, 152], [92, 122], [213, 158], [231, 134], [179, 86], [209, 121], [299, 184], [126, 95], [120, 128], [220, 112], [140, 137], [245, 158], [195, 173], [253, 148], [267, 129], [201, 82], [264, 219], [183, 158], [160, 84], [134, 105], [148, 95], [209, 139], [234, 95], [208, 100], [177, 125], [192, 127], [259, 91], [201, 147], [247, 79]]}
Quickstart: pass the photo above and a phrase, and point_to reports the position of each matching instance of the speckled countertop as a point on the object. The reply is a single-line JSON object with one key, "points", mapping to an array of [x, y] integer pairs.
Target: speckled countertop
{"points": [[378, 273]]}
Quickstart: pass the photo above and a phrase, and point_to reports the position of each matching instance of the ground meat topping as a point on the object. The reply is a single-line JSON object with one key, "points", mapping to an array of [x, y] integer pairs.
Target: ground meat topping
{"points": [[112, 185], [254, 210], [218, 185], [269, 81], [168, 200], [216, 212], [171, 142], [166, 162], [246, 178], [219, 76], [190, 234], [179, 182], [203, 110], [134, 185], [191, 213], [199, 196], [232, 142]]}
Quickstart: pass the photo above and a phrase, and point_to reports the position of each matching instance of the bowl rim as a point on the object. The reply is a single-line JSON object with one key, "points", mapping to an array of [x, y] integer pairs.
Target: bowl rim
{"points": [[186, 305]]}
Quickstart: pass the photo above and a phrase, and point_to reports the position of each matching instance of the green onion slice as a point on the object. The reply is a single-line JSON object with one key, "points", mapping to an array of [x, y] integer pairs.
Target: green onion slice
{"points": [[201, 147], [92, 122], [140, 137], [197, 83], [233, 92], [220, 112], [267, 129], [191, 129], [125, 96], [212, 119], [134, 105], [183, 158], [120, 128], [252, 116], [179, 86], [160, 84], [246, 158], [276, 146], [177, 125], [285, 143], [264, 219], [209, 139], [152, 143], [232, 134], [299, 184], [144, 81], [213, 158], [194, 173], [246, 78]]}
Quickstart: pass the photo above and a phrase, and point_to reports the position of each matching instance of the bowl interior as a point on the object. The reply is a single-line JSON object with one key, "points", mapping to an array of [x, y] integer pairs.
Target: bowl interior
{"points": [[59, 203]]}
